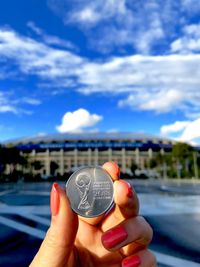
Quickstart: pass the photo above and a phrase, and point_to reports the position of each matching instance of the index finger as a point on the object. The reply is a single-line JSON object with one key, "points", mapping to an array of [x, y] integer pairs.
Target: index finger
{"points": [[126, 205], [113, 169], [125, 197]]}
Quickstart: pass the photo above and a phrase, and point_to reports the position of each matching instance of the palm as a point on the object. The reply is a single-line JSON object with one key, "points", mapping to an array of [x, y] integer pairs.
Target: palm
{"points": [[122, 231], [90, 250], [88, 244]]}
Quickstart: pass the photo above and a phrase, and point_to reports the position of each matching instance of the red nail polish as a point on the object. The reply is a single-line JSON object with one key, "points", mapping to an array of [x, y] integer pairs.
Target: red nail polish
{"points": [[129, 189], [114, 237], [55, 199], [132, 261], [130, 192]]}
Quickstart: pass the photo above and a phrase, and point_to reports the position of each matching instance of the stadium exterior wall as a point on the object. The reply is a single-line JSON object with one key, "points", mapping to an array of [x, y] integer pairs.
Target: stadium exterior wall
{"points": [[69, 152]]}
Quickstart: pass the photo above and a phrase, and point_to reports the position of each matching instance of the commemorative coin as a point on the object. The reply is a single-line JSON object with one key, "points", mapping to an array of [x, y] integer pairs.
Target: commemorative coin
{"points": [[90, 191]]}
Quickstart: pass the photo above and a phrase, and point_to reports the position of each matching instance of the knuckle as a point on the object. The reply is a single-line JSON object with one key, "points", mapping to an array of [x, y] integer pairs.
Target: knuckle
{"points": [[52, 240], [147, 231]]}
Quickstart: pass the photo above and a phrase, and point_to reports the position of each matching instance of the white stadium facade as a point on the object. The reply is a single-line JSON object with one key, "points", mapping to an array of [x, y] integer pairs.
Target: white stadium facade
{"points": [[70, 151]]}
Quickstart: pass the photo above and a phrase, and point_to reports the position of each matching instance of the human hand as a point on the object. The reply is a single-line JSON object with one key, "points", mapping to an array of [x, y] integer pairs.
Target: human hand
{"points": [[118, 239]]}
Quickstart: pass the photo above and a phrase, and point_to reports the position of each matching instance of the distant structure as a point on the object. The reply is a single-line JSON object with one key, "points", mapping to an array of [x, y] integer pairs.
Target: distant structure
{"points": [[69, 151]]}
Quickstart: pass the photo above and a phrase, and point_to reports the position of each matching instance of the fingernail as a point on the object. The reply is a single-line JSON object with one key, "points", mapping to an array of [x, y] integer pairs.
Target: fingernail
{"points": [[114, 237], [55, 199], [129, 189], [133, 261]]}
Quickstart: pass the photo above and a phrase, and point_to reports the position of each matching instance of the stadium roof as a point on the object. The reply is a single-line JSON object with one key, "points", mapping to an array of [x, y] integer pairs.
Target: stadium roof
{"points": [[88, 136]]}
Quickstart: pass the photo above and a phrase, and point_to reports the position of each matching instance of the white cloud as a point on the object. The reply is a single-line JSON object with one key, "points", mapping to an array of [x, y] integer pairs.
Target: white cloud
{"points": [[120, 22], [162, 101], [34, 28], [88, 15], [10, 104], [26, 100], [34, 57], [174, 127], [186, 131], [31, 101], [94, 12], [6, 104], [8, 108], [192, 131], [50, 39], [145, 26], [158, 83], [189, 42], [77, 121]]}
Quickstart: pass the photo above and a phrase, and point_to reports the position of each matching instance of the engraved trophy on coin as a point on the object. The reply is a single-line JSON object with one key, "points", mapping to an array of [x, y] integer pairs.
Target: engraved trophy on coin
{"points": [[83, 182], [90, 191]]}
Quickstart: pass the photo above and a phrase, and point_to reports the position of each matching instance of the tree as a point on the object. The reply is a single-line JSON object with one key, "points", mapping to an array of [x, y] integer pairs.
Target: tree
{"points": [[53, 167], [37, 165], [2, 163], [161, 162], [11, 156], [134, 167], [182, 150], [153, 163], [182, 155]]}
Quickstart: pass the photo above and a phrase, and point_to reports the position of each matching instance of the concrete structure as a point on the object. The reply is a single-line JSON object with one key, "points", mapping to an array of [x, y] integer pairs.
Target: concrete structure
{"points": [[69, 151]]}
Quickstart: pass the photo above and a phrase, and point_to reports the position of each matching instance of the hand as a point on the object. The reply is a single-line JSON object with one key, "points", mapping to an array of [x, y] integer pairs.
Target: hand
{"points": [[117, 239]]}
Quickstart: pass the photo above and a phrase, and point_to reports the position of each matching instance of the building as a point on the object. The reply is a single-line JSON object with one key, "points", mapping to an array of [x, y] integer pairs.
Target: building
{"points": [[62, 153]]}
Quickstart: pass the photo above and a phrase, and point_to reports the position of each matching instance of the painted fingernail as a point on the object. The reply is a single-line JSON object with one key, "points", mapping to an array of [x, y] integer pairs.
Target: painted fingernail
{"points": [[132, 261], [129, 189], [55, 199], [114, 237]]}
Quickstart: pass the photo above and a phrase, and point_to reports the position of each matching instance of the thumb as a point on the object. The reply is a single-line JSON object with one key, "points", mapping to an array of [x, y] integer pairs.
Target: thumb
{"points": [[57, 248]]}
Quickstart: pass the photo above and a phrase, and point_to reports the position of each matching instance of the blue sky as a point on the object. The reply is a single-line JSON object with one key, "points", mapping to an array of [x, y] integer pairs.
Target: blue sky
{"points": [[115, 65]]}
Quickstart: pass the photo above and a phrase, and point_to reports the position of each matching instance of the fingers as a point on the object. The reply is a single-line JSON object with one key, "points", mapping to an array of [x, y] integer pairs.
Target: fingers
{"points": [[143, 258], [129, 236], [58, 244], [126, 199], [126, 205], [113, 170]]}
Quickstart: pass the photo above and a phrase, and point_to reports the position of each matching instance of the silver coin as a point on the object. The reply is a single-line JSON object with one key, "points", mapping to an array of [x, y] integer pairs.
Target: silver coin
{"points": [[90, 191]]}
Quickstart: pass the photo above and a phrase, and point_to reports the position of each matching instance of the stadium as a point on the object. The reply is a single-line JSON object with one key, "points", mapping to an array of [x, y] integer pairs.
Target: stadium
{"points": [[59, 154]]}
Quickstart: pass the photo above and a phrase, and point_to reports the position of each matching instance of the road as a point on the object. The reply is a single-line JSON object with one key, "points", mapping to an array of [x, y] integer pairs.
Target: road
{"points": [[172, 209]]}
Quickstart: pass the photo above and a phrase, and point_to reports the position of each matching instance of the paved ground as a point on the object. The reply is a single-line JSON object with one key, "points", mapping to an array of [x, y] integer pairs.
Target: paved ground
{"points": [[173, 210]]}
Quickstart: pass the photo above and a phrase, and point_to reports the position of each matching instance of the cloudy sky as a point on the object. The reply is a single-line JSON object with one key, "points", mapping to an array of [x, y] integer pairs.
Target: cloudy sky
{"points": [[114, 65]]}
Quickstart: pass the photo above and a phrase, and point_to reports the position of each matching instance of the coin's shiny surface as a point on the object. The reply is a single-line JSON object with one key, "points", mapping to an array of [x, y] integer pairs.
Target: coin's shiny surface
{"points": [[90, 191]]}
